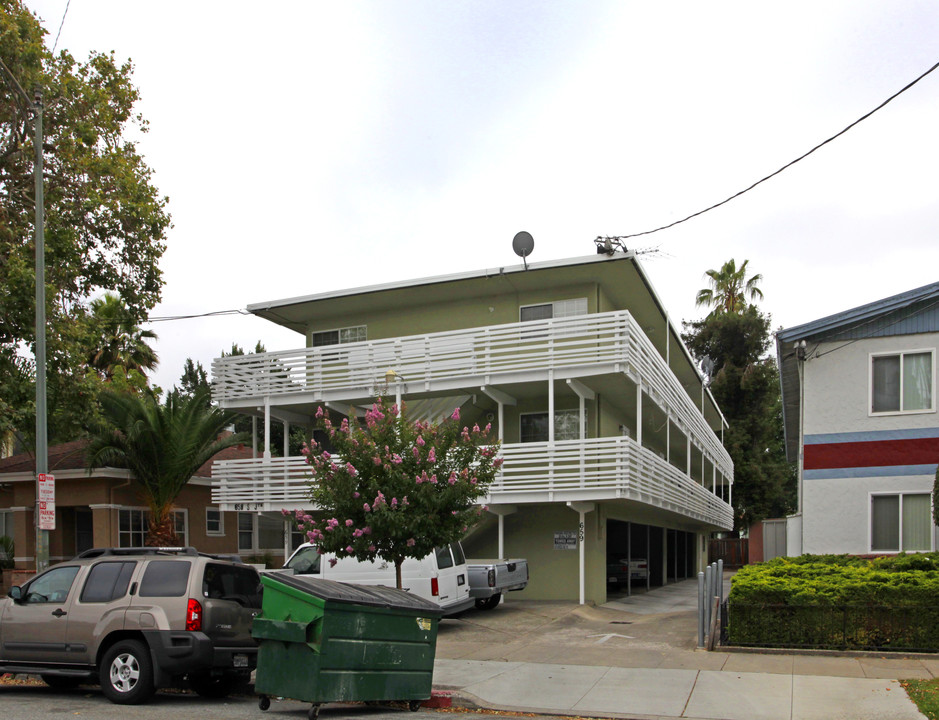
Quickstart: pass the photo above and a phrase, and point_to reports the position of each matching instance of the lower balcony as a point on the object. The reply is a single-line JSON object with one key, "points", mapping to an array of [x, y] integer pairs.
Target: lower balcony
{"points": [[565, 471]]}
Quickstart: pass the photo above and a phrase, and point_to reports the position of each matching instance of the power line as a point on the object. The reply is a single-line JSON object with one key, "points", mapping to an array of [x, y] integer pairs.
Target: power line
{"points": [[56, 43], [604, 241], [215, 313]]}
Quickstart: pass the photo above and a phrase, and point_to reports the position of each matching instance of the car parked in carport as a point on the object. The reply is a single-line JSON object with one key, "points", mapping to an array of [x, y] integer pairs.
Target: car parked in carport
{"points": [[135, 619], [621, 570]]}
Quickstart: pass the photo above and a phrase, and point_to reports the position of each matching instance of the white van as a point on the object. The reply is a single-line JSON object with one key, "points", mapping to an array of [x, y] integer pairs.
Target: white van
{"points": [[441, 577]]}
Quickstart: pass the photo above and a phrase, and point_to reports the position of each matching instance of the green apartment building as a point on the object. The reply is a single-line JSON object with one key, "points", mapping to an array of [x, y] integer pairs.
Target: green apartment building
{"points": [[611, 439]]}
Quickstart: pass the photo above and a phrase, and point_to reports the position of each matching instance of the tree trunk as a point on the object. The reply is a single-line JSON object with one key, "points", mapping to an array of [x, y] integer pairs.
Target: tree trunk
{"points": [[162, 531], [398, 562]]}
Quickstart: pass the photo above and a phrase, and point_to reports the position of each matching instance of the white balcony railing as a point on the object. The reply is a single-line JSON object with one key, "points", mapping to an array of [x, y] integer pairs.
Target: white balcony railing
{"points": [[594, 469], [581, 345]]}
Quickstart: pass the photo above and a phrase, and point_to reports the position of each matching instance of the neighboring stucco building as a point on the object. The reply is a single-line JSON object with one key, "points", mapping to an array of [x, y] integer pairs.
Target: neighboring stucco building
{"points": [[610, 438], [104, 508], [859, 404]]}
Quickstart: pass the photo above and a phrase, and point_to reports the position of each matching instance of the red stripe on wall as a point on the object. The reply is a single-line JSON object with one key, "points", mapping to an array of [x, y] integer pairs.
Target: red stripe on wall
{"points": [[879, 453]]}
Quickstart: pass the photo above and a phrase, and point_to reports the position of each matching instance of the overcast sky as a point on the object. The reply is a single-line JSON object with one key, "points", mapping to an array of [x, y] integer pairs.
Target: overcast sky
{"points": [[313, 146]]}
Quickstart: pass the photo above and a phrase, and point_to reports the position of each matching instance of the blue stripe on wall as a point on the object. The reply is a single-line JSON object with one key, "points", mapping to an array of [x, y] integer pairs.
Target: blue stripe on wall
{"points": [[891, 471]]}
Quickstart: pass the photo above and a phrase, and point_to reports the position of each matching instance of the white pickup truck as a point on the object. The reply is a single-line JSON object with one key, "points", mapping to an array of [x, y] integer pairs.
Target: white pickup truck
{"points": [[488, 579]]}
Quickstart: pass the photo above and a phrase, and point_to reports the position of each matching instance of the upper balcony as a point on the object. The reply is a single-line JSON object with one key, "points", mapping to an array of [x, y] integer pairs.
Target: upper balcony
{"points": [[559, 348], [568, 470]]}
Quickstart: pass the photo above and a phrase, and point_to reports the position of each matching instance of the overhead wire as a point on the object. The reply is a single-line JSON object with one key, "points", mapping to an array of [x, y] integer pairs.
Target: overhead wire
{"points": [[56, 43], [600, 240]]}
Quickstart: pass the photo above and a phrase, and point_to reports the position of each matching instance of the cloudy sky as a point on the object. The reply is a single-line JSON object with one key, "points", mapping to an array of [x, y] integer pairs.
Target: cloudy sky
{"points": [[312, 146]]}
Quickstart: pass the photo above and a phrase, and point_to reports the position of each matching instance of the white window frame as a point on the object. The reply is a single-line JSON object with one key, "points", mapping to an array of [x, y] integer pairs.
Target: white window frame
{"points": [[145, 518], [221, 522], [565, 411], [6, 523], [870, 522], [255, 536], [573, 307], [899, 354], [347, 331]]}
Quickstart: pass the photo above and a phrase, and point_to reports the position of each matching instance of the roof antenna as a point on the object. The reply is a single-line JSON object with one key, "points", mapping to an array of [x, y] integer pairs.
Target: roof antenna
{"points": [[523, 243]]}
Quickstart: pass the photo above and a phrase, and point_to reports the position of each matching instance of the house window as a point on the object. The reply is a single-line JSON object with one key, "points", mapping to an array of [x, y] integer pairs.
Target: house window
{"points": [[6, 523], [534, 426], [558, 309], [902, 382], [340, 336], [901, 522], [133, 525], [214, 521], [260, 533]]}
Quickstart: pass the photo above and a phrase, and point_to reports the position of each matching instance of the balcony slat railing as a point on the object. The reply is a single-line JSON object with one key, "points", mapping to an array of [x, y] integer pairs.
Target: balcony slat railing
{"points": [[473, 355], [571, 469]]}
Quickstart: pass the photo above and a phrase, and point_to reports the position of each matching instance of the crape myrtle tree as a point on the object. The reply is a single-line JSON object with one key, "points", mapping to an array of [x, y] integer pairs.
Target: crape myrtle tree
{"points": [[393, 488]]}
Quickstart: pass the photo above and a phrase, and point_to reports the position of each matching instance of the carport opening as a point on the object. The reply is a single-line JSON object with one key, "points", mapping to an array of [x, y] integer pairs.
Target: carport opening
{"points": [[630, 553]]}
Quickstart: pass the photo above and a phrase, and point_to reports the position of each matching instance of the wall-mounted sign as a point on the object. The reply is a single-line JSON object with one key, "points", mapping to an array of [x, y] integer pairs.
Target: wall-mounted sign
{"points": [[565, 540]]}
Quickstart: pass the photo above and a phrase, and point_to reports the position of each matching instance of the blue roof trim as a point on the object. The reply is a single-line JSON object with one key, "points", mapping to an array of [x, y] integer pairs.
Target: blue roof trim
{"points": [[872, 436], [860, 313], [871, 472]]}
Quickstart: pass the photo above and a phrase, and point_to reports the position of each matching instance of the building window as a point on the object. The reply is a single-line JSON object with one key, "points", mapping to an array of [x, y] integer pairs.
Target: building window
{"points": [[132, 528], [133, 525], [902, 382], [6, 523], [214, 521], [340, 336], [558, 309], [534, 426], [901, 522], [260, 533]]}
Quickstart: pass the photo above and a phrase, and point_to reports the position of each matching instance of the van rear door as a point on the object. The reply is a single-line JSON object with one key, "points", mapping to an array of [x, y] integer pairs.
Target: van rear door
{"points": [[451, 580]]}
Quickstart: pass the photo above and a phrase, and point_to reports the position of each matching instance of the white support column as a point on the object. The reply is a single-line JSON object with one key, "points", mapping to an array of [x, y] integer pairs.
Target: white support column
{"points": [[501, 511], [668, 438], [550, 406], [582, 508], [267, 428], [639, 413], [502, 399], [688, 462], [286, 438], [254, 436]]}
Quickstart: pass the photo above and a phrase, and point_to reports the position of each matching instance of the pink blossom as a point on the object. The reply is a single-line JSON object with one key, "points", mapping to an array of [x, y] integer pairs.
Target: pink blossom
{"points": [[431, 456], [433, 479], [411, 542], [285, 512], [356, 533], [349, 549], [367, 530], [455, 415], [366, 507], [371, 548], [332, 562], [420, 440], [355, 495], [376, 460], [348, 523], [396, 459], [488, 428], [452, 478], [319, 413], [475, 428], [465, 434], [497, 463], [350, 468], [304, 450], [394, 502], [473, 481], [416, 451]]}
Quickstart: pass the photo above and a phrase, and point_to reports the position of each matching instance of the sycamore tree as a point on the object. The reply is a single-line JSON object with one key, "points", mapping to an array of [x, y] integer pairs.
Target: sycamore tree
{"points": [[105, 221], [395, 489]]}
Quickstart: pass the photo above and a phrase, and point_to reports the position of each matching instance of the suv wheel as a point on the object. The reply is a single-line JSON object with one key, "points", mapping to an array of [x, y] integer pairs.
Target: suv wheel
{"points": [[217, 686], [127, 673]]}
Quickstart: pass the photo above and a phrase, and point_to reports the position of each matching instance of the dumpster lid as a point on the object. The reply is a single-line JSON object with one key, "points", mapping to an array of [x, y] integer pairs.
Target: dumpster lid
{"points": [[374, 595]]}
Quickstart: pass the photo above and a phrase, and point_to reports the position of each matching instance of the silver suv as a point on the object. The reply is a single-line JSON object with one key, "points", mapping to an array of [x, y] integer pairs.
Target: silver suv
{"points": [[137, 619]]}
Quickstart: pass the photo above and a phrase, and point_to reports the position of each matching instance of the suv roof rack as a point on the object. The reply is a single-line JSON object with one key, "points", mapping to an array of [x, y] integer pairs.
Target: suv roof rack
{"points": [[191, 551]]}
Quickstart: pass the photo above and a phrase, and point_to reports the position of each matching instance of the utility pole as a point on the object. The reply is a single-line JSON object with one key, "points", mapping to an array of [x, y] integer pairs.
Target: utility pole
{"points": [[42, 443], [42, 440]]}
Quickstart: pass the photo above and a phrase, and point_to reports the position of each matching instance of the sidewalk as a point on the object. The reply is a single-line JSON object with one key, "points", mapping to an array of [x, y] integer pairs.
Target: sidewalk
{"points": [[636, 658]]}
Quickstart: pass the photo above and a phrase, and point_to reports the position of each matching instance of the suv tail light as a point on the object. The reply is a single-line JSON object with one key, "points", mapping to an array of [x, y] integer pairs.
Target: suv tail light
{"points": [[194, 615], [434, 587], [491, 577]]}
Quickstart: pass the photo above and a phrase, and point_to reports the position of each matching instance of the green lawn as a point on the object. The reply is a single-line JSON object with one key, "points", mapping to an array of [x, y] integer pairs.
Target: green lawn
{"points": [[925, 693]]}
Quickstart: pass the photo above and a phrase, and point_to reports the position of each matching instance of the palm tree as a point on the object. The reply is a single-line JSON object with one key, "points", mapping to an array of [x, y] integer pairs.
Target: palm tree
{"points": [[119, 341], [162, 445], [729, 289]]}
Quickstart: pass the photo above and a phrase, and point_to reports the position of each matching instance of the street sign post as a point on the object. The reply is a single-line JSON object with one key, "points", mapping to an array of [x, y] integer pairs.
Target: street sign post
{"points": [[46, 501]]}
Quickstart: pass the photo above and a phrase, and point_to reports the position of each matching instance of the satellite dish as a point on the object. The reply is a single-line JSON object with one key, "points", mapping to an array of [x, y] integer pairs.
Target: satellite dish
{"points": [[523, 243]]}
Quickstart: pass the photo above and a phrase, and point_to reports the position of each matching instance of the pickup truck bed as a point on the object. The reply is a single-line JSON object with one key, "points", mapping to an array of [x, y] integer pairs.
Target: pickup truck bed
{"points": [[488, 579]]}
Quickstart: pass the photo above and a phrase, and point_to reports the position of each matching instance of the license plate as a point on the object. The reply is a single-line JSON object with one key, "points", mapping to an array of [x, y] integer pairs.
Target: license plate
{"points": [[240, 660]]}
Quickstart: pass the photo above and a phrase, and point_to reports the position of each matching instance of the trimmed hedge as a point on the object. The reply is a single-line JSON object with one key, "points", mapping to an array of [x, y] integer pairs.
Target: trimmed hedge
{"points": [[837, 601]]}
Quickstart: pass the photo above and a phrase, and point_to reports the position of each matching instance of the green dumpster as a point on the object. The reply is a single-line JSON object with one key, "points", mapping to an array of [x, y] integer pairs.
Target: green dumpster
{"points": [[323, 641]]}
